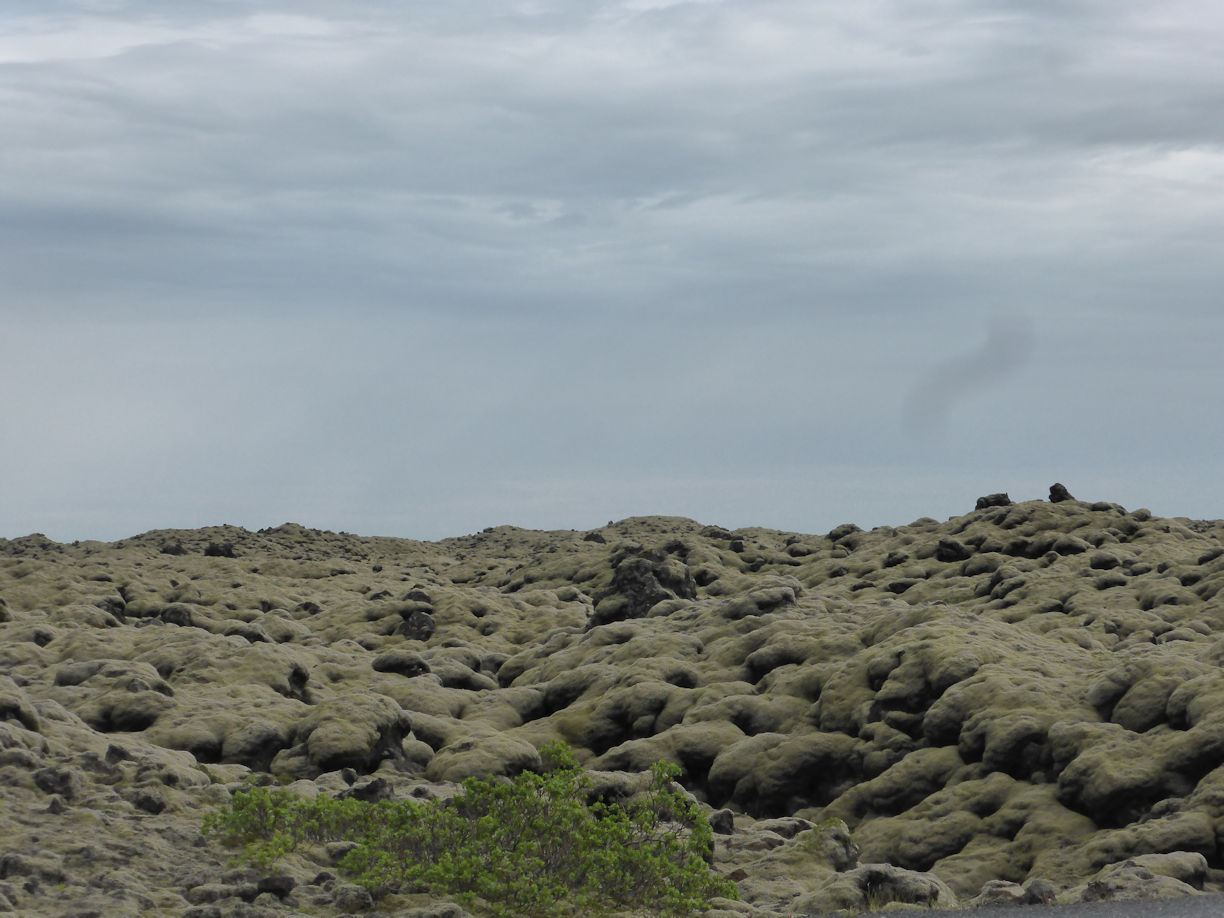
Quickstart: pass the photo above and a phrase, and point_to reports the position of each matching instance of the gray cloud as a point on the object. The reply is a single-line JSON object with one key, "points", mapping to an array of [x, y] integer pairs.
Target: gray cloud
{"points": [[387, 269], [1007, 349]]}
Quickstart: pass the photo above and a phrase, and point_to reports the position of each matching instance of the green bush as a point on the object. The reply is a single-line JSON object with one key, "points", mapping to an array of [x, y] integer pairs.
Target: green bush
{"points": [[532, 846]]}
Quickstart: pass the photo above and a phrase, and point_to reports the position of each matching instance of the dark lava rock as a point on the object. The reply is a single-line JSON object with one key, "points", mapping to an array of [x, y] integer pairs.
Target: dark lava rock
{"points": [[1039, 892], [59, 781], [418, 626], [949, 550], [112, 604], [1059, 493], [401, 662], [147, 800], [280, 885], [370, 791], [837, 533], [993, 500], [638, 583], [116, 753], [177, 613]]}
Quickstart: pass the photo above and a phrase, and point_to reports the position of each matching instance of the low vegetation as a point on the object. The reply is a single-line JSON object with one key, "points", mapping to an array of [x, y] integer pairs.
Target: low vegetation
{"points": [[535, 845]]}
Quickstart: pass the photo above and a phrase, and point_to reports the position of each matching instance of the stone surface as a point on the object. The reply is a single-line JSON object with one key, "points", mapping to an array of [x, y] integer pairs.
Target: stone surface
{"points": [[1059, 493], [873, 886]]}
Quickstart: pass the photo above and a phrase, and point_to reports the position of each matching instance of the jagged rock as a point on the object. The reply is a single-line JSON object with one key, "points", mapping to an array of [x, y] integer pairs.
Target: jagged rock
{"points": [[418, 625], [638, 583], [993, 500], [146, 799], [60, 781], [1059, 493]]}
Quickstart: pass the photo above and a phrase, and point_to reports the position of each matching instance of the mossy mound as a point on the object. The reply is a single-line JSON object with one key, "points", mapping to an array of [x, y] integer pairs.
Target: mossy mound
{"points": [[1020, 698]]}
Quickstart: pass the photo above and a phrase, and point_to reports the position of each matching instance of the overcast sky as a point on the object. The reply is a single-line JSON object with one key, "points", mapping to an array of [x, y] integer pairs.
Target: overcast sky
{"points": [[417, 269]]}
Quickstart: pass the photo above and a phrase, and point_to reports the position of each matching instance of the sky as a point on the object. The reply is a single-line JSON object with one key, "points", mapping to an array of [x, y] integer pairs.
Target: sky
{"points": [[418, 269]]}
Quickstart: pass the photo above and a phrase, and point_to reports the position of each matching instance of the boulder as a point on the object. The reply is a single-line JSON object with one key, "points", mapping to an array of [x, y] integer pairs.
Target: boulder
{"points": [[1132, 879], [999, 499], [638, 583], [772, 774], [1059, 493], [482, 755], [873, 886], [352, 731], [999, 892], [401, 662], [254, 744], [418, 625], [15, 705]]}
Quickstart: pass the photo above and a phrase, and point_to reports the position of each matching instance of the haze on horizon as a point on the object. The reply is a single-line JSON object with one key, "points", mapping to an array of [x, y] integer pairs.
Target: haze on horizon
{"points": [[420, 270]]}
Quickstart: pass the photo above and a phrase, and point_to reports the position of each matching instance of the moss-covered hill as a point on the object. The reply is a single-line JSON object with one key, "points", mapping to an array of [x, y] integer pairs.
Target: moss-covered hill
{"points": [[1029, 693]]}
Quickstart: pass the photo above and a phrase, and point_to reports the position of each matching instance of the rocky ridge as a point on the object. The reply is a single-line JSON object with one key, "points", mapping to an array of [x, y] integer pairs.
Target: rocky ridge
{"points": [[1021, 704]]}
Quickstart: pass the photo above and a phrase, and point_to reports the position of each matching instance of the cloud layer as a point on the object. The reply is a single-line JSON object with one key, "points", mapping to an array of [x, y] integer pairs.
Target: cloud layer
{"points": [[417, 271]]}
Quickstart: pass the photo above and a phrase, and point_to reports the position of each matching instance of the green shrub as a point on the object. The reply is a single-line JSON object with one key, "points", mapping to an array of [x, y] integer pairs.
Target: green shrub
{"points": [[532, 846]]}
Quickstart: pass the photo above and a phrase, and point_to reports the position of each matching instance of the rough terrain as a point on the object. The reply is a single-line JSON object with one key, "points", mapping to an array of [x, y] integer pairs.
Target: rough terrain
{"points": [[1024, 703]]}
